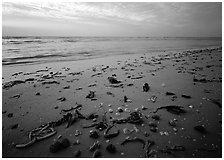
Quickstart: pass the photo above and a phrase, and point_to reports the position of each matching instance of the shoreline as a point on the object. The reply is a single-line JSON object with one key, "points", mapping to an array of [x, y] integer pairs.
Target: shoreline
{"points": [[101, 56], [61, 87]]}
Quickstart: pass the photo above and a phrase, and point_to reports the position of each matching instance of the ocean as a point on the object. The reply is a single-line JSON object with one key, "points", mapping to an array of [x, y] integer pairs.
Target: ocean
{"points": [[29, 50]]}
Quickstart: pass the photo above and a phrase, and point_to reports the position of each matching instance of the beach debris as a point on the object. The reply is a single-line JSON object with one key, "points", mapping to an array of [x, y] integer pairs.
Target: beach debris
{"points": [[130, 84], [163, 85], [17, 73], [146, 87], [91, 94], [113, 80], [111, 148], [96, 74], [135, 118], [93, 134], [152, 154], [120, 109], [176, 148], [172, 109], [76, 142], [110, 93], [173, 98], [126, 99], [135, 139], [127, 110], [191, 106], [59, 145], [200, 128], [50, 82], [164, 133], [127, 131], [153, 129], [144, 108], [80, 88], [148, 152], [152, 124], [173, 122], [16, 96], [61, 99], [96, 145], [152, 98], [137, 77], [186, 96], [10, 115], [10, 84], [38, 134], [29, 79], [92, 85], [77, 153], [146, 134], [112, 135], [156, 117], [66, 87], [97, 154], [110, 110], [202, 79], [78, 132], [170, 93]]}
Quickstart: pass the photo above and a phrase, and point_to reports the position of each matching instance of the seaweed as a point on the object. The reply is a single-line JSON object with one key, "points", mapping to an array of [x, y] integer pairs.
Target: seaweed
{"points": [[135, 139], [172, 109], [112, 135]]}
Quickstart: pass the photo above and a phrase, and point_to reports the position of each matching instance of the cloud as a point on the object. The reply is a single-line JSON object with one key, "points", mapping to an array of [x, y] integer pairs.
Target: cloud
{"points": [[145, 16]]}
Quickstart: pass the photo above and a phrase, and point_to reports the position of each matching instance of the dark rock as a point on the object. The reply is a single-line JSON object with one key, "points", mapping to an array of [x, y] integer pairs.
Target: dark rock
{"points": [[10, 84], [55, 147], [10, 115], [61, 99], [125, 98], [170, 93], [38, 93], [14, 126], [120, 109], [91, 94], [113, 80], [156, 117], [58, 145], [146, 87], [111, 148], [29, 79], [77, 153], [185, 96], [152, 124], [50, 82], [65, 143], [200, 128]]}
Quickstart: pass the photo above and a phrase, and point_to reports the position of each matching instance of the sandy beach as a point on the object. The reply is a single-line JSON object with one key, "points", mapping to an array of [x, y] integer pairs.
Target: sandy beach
{"points": [[166, 104]]}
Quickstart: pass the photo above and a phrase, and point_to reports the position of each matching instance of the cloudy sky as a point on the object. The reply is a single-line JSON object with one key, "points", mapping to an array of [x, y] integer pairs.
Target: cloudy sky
{"points": [[111, 19]]}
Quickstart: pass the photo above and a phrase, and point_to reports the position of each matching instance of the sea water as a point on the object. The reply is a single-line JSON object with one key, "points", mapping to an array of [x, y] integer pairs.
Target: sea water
{"points": [[28, 50]]}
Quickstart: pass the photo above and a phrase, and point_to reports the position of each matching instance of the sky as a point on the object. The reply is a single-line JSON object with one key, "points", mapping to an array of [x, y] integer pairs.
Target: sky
{"points": [[112, 19]]}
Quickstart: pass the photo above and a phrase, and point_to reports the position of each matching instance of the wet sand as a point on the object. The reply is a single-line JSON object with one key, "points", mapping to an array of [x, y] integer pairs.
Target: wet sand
{"points": [[43, 93]]}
